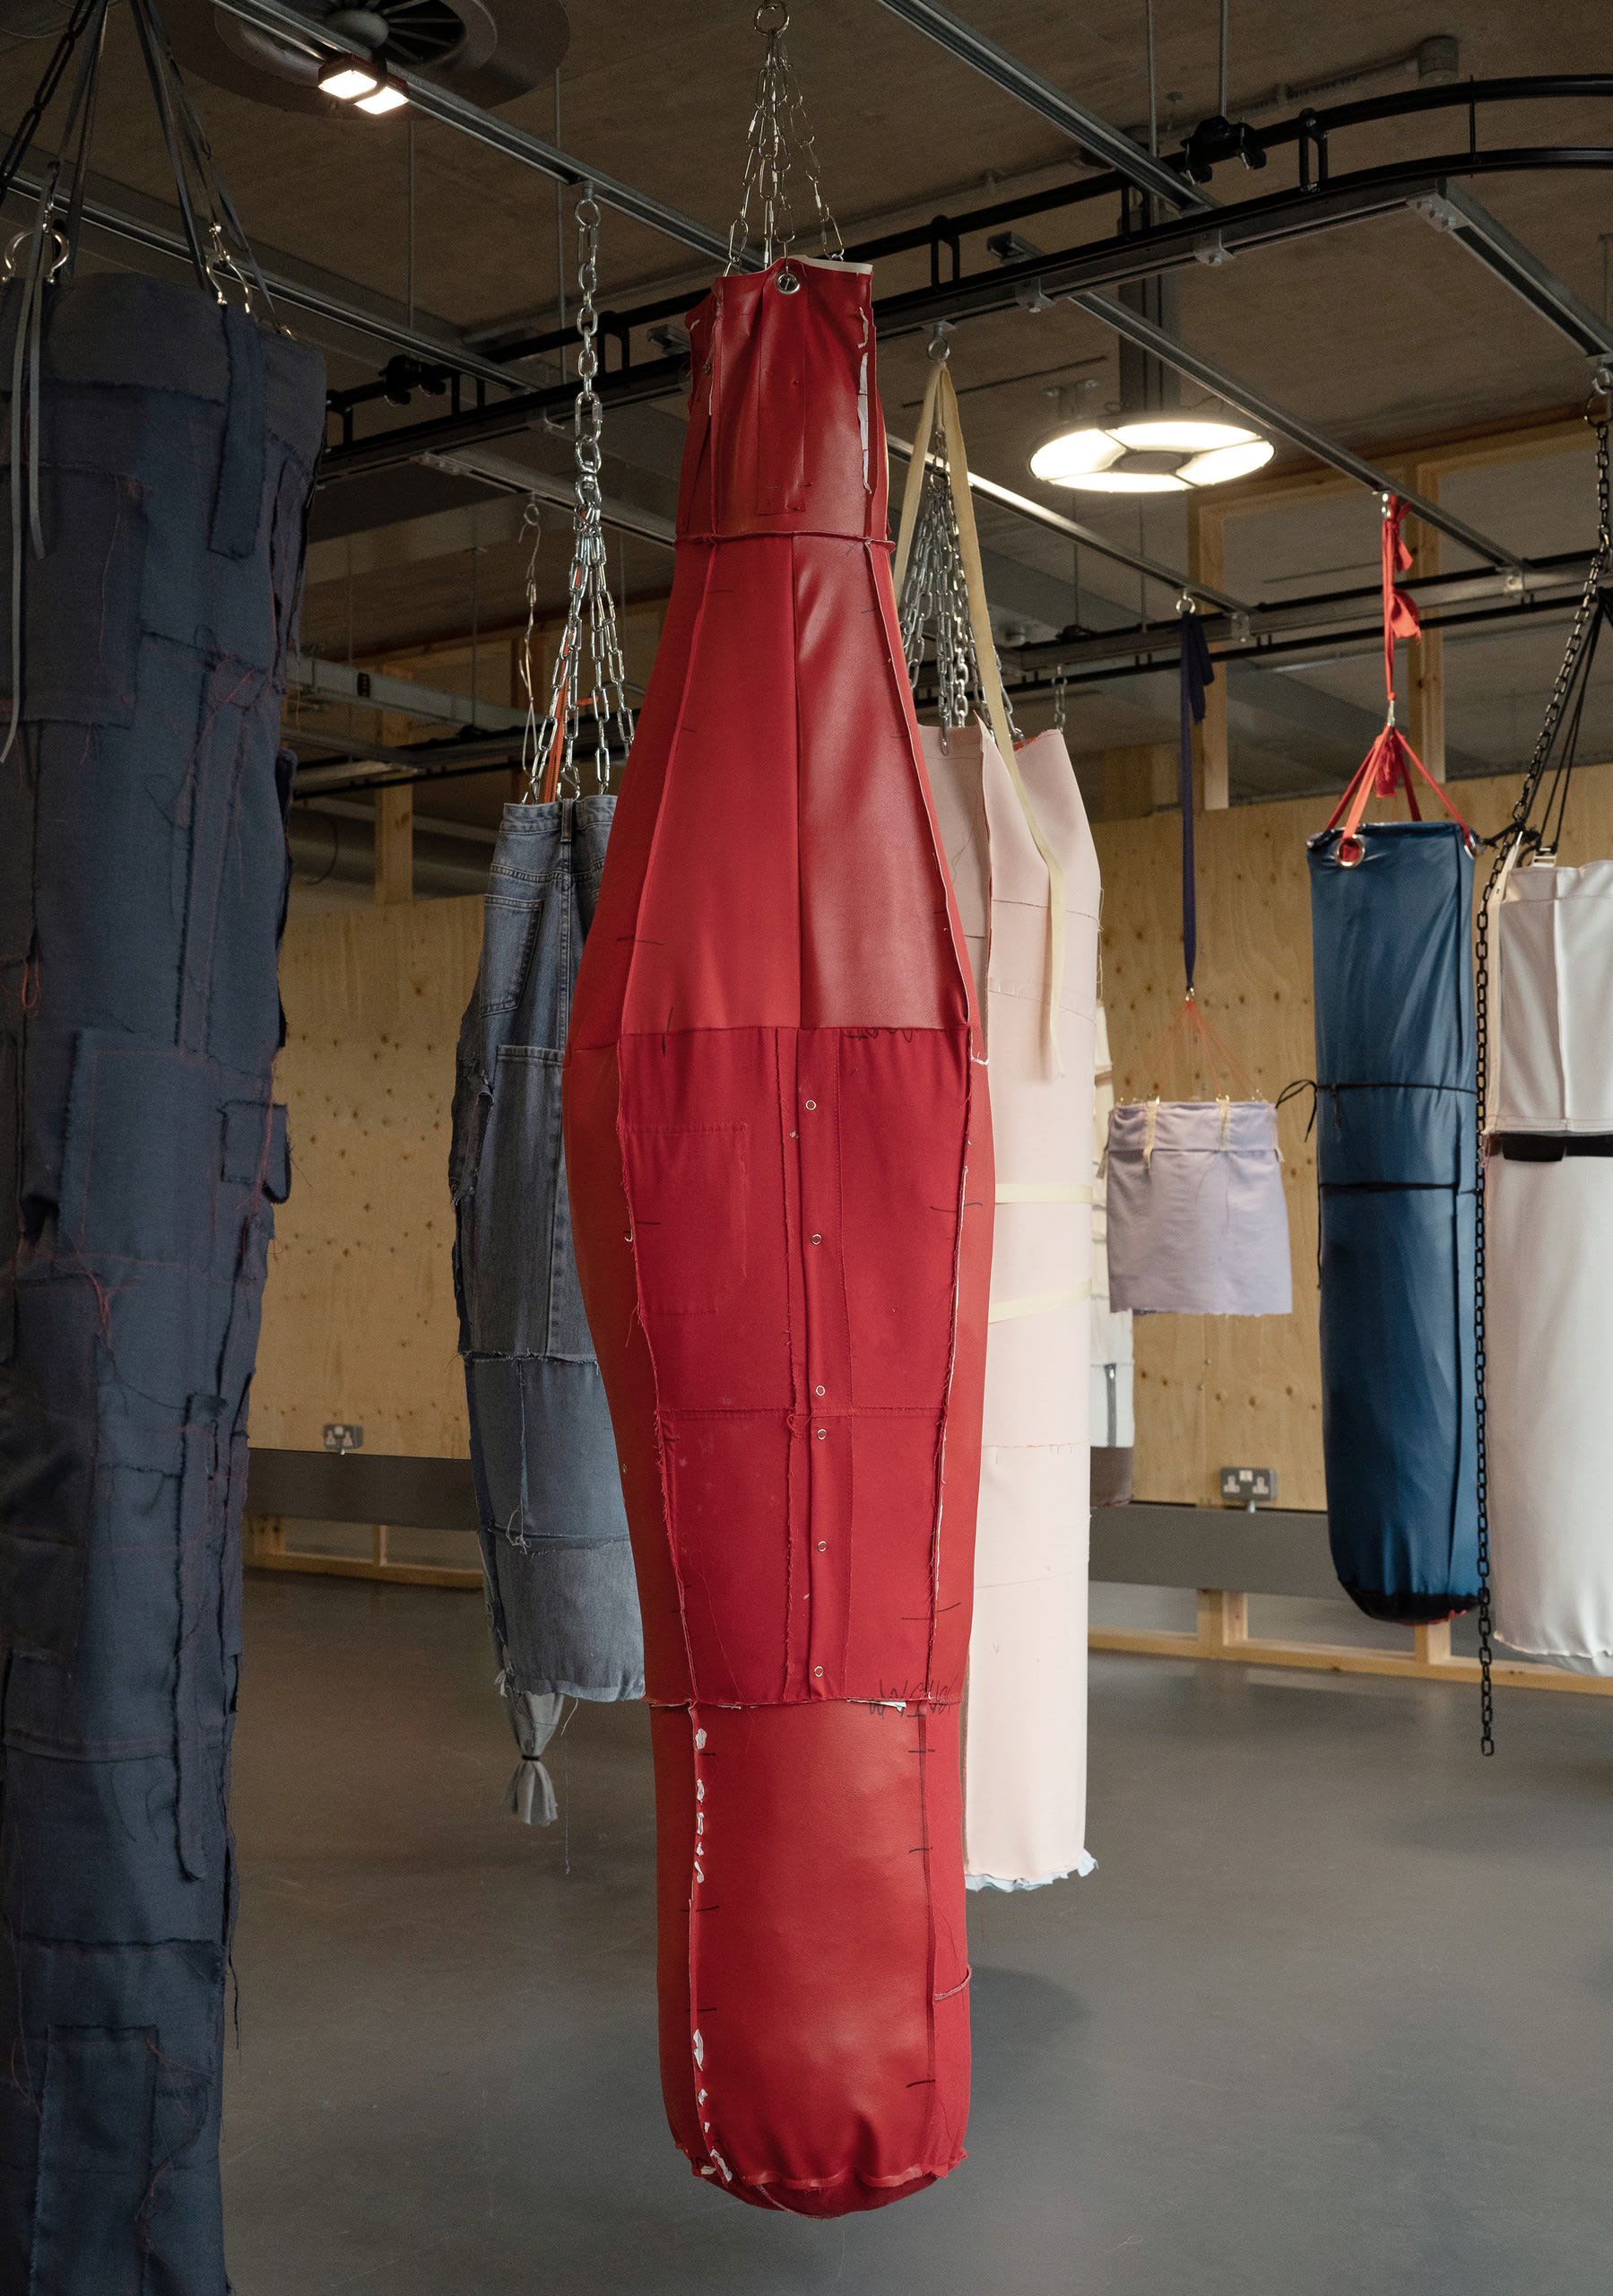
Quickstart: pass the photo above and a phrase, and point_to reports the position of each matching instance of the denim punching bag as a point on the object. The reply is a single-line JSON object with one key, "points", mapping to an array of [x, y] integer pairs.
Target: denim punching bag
{"points": [[143, 874]]}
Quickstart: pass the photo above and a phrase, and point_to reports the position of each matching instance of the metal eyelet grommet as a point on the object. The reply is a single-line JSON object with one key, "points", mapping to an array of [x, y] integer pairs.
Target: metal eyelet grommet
{"points": [[787, 283], [1351, 852]]}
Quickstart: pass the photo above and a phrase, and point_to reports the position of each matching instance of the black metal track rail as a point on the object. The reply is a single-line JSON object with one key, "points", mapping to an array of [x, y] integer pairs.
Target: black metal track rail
{"points": [[1129, 255], [1311, 131]]}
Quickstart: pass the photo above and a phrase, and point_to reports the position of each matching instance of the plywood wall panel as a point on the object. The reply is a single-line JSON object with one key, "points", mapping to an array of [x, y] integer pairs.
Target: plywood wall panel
{"points": [[358, 1320], [1212, 1390]]}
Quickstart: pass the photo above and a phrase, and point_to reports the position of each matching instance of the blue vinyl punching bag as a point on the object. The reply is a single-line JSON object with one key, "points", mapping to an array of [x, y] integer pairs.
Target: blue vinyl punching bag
{"points": [[1396, 1080]]}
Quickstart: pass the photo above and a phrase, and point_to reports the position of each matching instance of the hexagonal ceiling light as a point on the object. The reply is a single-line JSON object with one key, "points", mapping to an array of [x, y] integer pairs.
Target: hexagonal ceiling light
{"points": [[1162, 454]]}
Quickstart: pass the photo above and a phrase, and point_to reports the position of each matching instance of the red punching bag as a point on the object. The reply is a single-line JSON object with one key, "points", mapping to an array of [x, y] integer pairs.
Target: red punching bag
{"points": [[778, 1145]]}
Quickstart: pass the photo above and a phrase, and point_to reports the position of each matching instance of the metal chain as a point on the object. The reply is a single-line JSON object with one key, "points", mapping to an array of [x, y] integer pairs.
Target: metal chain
{"points": [[1506, 842], [779, 125], [28, 127], [588, 667], [934, 606], [935, 601]]}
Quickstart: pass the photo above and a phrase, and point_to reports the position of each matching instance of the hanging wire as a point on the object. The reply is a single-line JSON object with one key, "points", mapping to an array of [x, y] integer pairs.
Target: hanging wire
{"points": [[1555, 751], [588, 667], [779, 134]]}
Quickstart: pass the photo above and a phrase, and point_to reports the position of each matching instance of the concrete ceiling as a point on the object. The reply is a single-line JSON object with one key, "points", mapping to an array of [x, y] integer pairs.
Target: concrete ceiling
{"points": [[1381, 332]]}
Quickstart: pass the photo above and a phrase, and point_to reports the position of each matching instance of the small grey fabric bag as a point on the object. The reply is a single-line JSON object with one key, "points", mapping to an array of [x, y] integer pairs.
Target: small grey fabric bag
{"points": [[1197, 1221]]}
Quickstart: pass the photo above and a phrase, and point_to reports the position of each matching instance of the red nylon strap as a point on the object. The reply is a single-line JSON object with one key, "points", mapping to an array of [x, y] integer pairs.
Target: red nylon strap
{"points": [[1401, 616], [1386, 766]]}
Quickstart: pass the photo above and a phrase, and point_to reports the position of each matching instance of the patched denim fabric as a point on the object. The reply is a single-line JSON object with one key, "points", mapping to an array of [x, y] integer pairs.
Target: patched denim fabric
{"points": [[142, 883], [562, 1600]]}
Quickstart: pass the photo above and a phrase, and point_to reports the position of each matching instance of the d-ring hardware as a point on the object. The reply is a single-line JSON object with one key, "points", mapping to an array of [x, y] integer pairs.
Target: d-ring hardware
{"points": [[21, 240]]}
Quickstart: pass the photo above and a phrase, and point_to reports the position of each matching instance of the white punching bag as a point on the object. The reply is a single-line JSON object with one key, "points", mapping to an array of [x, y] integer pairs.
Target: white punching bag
{"points": [[1025, 1724], [1549, 1222]]}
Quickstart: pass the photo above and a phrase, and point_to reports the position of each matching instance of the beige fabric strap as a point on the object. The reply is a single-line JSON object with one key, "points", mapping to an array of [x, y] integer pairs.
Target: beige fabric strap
{"points": [[938, 389], [985, 651], [1150, 1126], [1040, 1303], [1036, 1192], [914, 489]]}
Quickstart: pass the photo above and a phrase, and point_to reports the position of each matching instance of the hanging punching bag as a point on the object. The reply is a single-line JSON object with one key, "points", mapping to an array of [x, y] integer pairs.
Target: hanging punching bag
{"points": [[779, 1147], [558, 1570], [1548, 1224], [1025, 1765], [1396, 1076], [557, 1566], [142, 886], [1024, 875]]}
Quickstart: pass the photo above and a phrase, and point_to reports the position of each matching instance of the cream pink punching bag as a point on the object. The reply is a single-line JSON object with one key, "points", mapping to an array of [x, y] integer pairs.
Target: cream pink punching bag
{"points": [[1024, 874]]}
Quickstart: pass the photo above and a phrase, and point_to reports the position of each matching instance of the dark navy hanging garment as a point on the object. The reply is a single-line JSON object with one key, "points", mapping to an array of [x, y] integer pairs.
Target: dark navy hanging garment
{"points": [[1396, 1080], [562, 1598], [142, 883]]}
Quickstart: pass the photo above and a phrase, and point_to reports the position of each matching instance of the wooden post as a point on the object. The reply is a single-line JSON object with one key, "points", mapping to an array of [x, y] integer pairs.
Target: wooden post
{"points": [[1425, 661], [265, 1535], [1223, 1620], [394, 846], [1432, 1644], [1139, 779], [1206, 562], [377, 1544]]}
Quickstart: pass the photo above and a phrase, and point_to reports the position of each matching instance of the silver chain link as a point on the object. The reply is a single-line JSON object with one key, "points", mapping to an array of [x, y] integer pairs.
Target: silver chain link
{"points": [[934, 608], [778, 126], [588, 667]]}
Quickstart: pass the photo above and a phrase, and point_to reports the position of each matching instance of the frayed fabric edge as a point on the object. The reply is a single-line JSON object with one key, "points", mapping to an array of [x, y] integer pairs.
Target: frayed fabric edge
{"points": [[1084, 1864]]}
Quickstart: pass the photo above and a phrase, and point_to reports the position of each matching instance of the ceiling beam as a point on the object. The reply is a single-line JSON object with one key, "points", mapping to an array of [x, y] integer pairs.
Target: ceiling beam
{"points": [[1465, 220], [370, 689], [1049, 103], [434, 102], [1265, 412], [118, 217], [1346, 617], [518, 478]]}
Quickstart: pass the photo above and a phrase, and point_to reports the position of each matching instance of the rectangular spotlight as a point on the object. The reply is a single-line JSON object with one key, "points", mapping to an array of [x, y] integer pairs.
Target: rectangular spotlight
{"points": [[349, 79]]}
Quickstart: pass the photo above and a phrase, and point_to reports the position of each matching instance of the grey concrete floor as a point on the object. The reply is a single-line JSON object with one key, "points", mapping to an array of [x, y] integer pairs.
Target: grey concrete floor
{"points": [[1333, 2018]]}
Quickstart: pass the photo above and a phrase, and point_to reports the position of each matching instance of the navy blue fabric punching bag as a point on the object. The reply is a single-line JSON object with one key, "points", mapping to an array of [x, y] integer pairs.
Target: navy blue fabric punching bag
{"points": [[142, 883], [1395, 1080], [1396, 1094]]}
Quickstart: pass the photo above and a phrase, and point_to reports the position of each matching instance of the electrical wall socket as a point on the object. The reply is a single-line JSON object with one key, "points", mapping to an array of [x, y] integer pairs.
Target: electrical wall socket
{"points": [[1249, 1486], [342, 1435]]}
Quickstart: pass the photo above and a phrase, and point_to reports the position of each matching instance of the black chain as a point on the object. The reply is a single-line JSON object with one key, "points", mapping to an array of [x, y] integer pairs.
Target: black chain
{"points": [[29, 126], [1507, 843]]}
